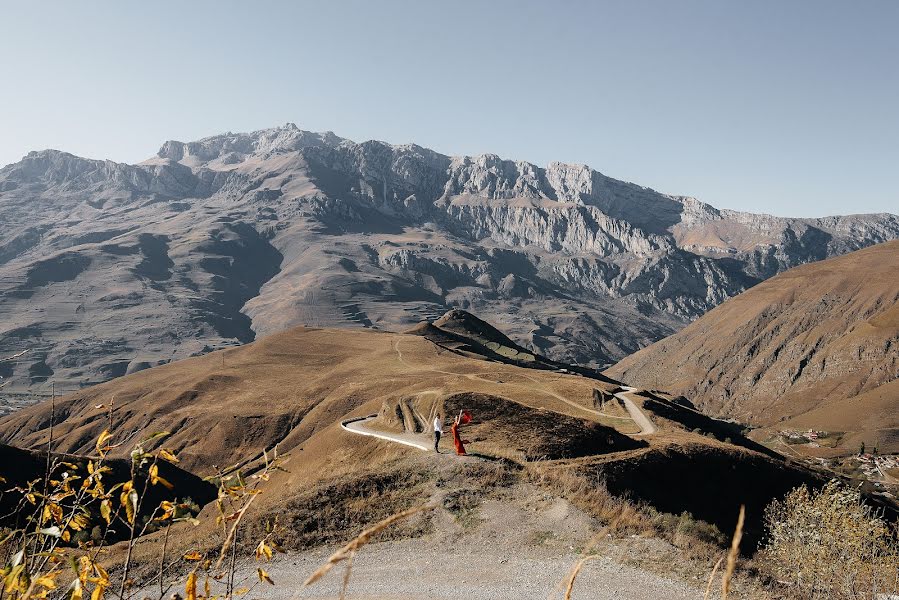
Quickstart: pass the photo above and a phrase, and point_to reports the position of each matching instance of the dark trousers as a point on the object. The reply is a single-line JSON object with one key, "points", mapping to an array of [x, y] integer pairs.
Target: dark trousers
{"points": [[436, 440]]}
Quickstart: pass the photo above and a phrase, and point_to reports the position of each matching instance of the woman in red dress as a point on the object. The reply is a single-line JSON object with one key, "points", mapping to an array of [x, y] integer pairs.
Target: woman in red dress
{"points": [[458, 442]]}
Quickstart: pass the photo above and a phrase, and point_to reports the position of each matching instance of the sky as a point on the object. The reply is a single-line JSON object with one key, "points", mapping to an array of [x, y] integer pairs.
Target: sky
{"points": [[788, 108]]}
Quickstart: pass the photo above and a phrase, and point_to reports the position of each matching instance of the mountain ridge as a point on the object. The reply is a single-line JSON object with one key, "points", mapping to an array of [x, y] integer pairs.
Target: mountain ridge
{"points": [[106, 268]]}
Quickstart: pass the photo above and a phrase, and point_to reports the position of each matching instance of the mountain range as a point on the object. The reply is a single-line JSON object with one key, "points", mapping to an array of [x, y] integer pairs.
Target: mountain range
{"points": [[109, 268]]}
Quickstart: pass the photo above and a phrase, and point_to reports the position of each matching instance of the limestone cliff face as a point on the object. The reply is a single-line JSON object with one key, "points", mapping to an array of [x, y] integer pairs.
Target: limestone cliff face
{"points": [[106, 267]]}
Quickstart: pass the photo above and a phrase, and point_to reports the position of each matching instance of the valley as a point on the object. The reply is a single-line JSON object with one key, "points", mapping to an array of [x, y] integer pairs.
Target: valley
{"points": [[349, 411]]}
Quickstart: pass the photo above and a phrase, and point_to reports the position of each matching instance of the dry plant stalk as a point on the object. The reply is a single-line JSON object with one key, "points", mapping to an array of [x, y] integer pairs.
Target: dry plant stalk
{"points": [[232, 533], [732, 555], [360, 540], [708, 588], [569, 586], [574, 572], [347, 575]]}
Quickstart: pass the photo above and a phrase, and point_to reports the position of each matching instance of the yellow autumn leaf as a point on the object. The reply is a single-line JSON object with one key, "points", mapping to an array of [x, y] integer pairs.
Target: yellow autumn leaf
{"points": [[77, 593], [166, 455], [190, 588], [84, 563], [168, 510], [156, 479], [102, 448], [193, 556], [79, 522], [263, 551], [102, 574], [129, 502], [98, 592], [263, 576], [11, 581], [106, 510], [46, 580]]}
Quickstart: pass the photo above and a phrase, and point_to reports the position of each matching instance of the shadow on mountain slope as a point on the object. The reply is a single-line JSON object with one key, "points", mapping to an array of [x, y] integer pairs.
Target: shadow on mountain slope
{"points": [[240, 261]]}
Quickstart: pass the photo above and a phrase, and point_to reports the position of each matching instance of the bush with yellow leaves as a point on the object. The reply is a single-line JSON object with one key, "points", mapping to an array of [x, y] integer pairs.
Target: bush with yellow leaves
{"points": [[830, 544], [50, 552]]}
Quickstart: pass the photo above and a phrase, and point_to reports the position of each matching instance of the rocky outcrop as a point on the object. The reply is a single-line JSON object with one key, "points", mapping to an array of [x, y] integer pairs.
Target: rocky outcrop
{"points": [[105, 267]]}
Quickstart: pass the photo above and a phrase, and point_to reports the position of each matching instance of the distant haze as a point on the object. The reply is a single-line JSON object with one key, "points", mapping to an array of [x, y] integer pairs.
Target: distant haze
{"points": [[785, 108]]}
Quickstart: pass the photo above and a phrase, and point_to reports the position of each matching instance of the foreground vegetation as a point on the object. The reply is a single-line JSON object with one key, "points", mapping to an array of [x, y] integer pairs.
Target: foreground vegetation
{"points": [[830, 544], [64, 523]]}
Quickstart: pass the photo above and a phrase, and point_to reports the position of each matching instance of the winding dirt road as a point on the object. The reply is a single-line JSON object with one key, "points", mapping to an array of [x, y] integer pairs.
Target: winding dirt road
{"points": [[637, 414], [422, 441], [480, 377]]}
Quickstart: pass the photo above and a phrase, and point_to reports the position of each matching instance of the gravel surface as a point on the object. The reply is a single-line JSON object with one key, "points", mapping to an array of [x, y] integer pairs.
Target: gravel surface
{"points": [[418, 569]]}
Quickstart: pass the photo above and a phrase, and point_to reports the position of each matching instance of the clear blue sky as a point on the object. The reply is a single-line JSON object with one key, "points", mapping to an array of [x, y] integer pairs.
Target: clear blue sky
{"points": [[790, 108]]}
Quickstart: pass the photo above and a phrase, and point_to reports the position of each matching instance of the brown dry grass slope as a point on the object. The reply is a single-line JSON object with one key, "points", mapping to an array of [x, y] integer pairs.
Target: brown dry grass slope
{"points": [[293, 390], [817, 346]]}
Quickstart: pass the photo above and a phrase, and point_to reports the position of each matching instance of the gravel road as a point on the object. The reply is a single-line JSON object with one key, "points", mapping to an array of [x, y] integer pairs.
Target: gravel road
{"points": [[415, 569]]}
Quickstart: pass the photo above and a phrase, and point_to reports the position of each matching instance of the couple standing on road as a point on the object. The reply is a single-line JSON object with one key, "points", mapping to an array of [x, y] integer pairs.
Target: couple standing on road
{"points": [[458, 442]]}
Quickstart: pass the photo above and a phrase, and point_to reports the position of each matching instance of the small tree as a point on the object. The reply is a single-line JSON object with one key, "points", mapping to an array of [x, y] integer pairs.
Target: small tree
{"points": [[861, 450], [830, 544]]}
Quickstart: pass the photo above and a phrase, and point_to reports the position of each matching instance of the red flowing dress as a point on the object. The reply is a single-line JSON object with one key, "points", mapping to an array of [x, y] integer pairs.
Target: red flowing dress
{"points": [[457, 440]]}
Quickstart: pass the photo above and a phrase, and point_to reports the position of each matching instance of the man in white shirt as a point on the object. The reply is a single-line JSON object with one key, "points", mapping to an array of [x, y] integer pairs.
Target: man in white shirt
{"points": [[438, 431]]}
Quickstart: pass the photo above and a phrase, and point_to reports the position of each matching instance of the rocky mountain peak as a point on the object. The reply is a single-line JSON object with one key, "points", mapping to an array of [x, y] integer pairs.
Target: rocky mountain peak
{"points": [[230, 148]]}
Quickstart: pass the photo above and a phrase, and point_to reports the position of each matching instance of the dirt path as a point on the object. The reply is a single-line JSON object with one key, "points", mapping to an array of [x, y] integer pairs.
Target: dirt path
{"points": [[640, 418], [416, 440], [423, 442], [480, 377]]}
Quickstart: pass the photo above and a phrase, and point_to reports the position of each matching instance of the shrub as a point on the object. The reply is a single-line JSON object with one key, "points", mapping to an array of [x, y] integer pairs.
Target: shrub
{"points": [[66, 520], [830, 544]]}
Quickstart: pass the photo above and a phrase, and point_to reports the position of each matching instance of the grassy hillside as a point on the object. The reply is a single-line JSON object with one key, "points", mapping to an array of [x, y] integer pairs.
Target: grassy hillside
{"points": [[533, 426], [815, 347]]}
